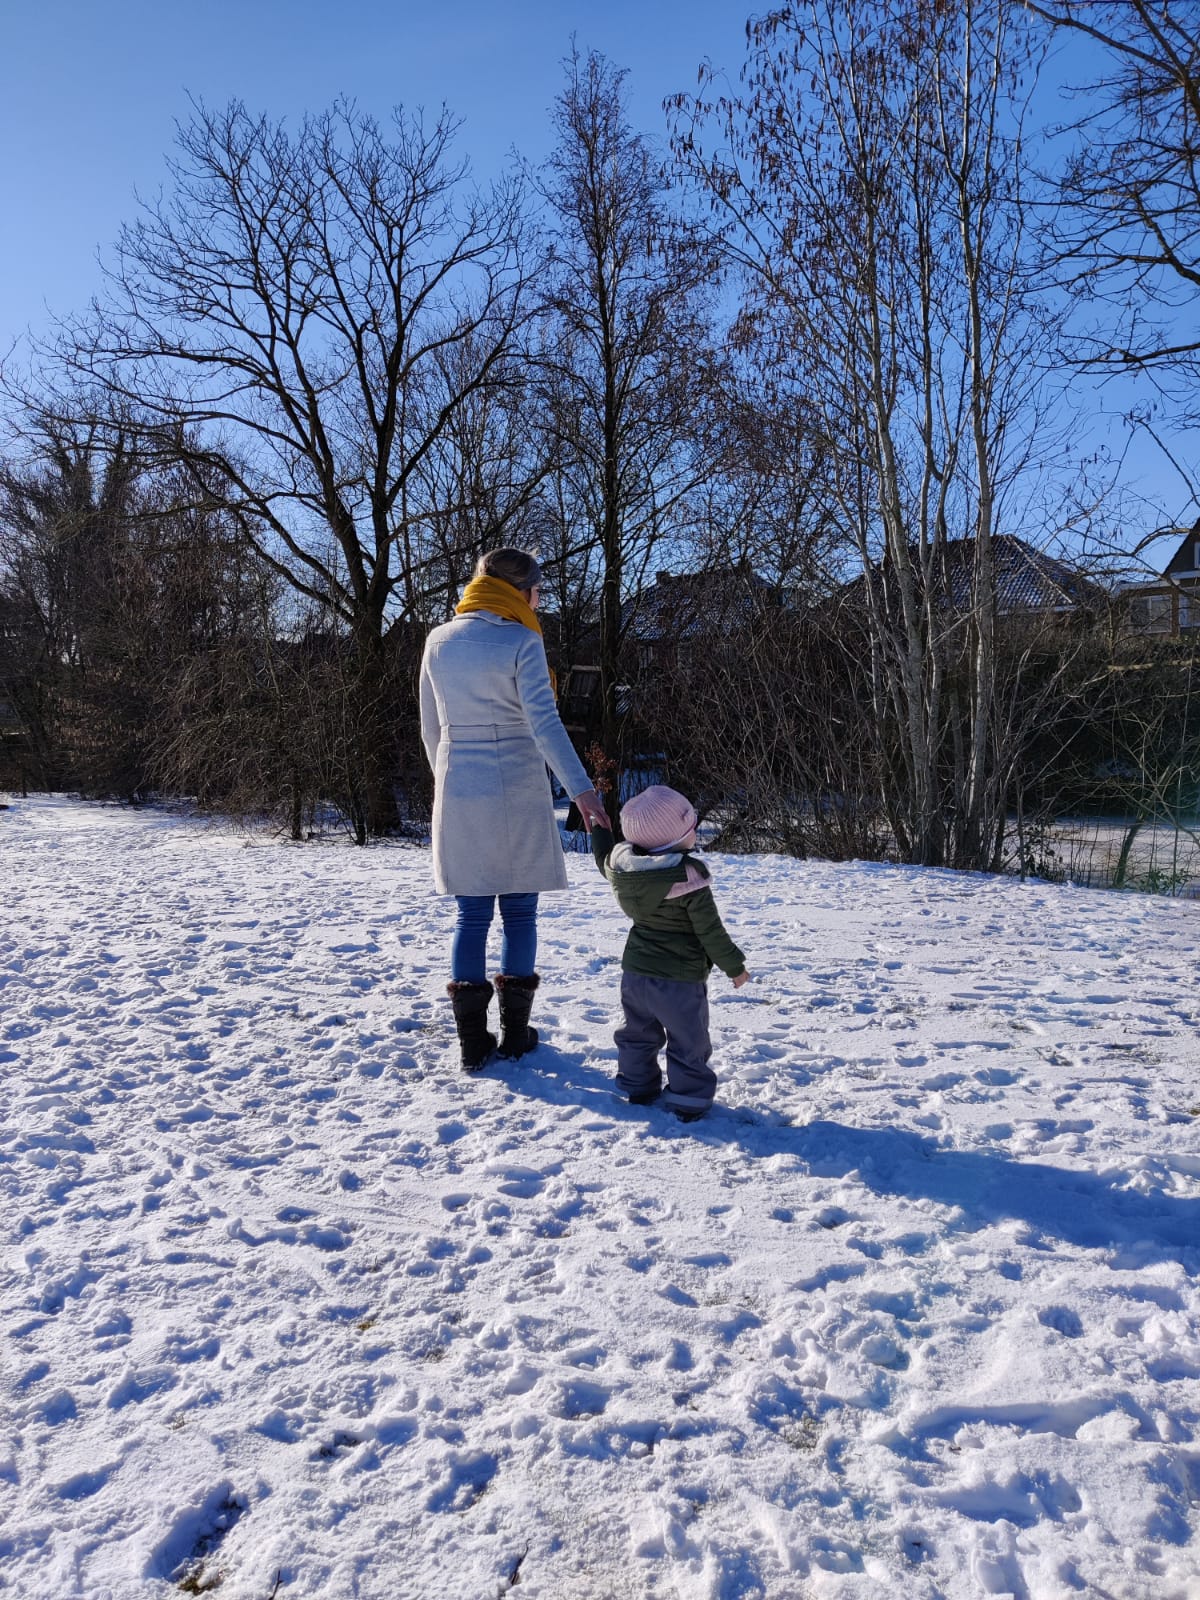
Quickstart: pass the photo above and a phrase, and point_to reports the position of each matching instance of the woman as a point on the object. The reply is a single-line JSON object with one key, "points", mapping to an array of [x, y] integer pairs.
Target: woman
{"points": [[490, 727]]}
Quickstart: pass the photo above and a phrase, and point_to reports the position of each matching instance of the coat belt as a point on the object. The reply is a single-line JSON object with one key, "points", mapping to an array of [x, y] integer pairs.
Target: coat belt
{"points": [[473, 732]]}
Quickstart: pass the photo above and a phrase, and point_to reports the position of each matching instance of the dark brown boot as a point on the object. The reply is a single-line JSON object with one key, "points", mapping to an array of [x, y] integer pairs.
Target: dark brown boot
{"points": [[470, 1002], [517, 1038]]}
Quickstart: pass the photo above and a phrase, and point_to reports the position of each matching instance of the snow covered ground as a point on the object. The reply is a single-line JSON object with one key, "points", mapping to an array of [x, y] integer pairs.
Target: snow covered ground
{"points": [[292, 1307]]}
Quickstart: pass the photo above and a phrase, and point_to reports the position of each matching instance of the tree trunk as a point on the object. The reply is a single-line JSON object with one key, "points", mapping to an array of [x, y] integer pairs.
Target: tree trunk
{"points": [[1122, 868], [297, 817], [373, 784]]}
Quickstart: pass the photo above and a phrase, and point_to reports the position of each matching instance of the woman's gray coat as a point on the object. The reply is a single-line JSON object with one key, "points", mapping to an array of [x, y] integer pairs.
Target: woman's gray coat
{"points": [[489, 725]]}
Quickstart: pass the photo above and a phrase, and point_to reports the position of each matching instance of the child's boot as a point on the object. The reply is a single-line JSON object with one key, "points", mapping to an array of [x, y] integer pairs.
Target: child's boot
{"points": [[642, 1085], [689, 1116], [644, 1097], [470, 1002], [517, 1038]]}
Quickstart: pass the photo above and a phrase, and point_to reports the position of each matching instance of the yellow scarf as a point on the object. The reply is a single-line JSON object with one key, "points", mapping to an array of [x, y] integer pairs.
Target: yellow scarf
{"points": [[493, 594]]}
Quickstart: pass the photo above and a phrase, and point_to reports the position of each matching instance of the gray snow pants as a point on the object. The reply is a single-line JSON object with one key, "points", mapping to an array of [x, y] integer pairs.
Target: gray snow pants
{"points": [[666, 1011]]}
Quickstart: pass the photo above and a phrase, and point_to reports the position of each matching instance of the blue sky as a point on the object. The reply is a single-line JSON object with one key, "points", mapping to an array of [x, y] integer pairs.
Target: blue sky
{"points": [[93, 89]]}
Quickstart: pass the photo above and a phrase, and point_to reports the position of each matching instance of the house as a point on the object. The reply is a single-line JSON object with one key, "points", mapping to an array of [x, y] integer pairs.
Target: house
{"points": [[676, 610], [1170, 605], [1028, 582], [686, 608]]}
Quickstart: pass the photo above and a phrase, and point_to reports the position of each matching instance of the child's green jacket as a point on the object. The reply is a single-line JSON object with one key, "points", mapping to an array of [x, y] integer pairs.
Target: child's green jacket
{"points": [[682, 938]]}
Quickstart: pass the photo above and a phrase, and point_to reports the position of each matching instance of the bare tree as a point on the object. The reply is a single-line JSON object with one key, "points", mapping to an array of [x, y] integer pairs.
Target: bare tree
{"points": [[1129, 236], [484, 480], [625, 362], [770, 504], [306, 318], [119, 576], [64, 510], [868, 185], [265, 725]]}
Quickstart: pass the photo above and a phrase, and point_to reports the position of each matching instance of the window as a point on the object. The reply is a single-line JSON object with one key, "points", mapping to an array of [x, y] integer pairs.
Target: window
{"points": [[1189, 609], [1150, 613]]}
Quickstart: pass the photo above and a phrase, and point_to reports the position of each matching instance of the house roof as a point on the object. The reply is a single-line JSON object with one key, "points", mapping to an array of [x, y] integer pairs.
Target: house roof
{"points": [[688, 604], [1026, 579], [1184, 563]]}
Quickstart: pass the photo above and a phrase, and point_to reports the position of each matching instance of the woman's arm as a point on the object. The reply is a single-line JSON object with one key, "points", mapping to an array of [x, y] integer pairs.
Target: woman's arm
{"points": [[431, 725], [537, 698]]}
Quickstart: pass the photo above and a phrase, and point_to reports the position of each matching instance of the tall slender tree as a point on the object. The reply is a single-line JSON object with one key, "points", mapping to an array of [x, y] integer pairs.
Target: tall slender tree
{"points": [[867, 182], [1128, 236], [305, 318], [624, 368]]}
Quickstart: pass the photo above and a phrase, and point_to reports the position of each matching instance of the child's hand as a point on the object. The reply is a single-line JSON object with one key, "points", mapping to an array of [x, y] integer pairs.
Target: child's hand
{"points": [[742, 977]]}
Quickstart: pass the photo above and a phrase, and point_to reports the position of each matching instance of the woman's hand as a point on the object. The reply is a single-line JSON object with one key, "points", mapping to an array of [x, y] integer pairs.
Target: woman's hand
{"points": [[742, 977], [591, 809]]}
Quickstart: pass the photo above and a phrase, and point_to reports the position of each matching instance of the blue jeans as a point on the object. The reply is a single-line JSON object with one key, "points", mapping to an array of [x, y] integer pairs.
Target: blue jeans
{"points": [[518, 953]]}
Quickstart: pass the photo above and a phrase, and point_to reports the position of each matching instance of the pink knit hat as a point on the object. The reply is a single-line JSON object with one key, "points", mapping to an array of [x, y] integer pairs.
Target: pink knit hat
{"points": [[657, 818]]}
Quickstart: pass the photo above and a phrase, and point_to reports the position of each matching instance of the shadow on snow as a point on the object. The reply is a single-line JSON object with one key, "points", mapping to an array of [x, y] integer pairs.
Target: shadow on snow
{"points": [[1076, 1206]]}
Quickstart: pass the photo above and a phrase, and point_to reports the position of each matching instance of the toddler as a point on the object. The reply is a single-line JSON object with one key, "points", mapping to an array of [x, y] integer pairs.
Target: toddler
{"points": [[676, 939]]}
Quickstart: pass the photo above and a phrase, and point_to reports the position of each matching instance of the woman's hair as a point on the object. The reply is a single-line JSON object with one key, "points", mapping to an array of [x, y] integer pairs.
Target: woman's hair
{"points": [[517, 567]]}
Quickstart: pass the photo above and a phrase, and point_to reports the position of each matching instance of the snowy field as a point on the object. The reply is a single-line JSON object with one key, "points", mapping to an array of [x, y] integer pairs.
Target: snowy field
{"points": [[293, 1308]]}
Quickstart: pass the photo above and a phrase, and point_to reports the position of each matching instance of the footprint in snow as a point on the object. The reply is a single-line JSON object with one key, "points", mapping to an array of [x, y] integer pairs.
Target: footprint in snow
{"points": [[85, 1484], [579, 1399], [916, 1548], [57, 1407], [1062, 1320], [883, 1351], [730, 1329], [678, 1297], [832, 1555], [328, 1238], [996, 1077], [680, 1358], [139, 1385], [338, 1446], [521, 1183], [197, 1533], [469, 1478], [831, 1217]]}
